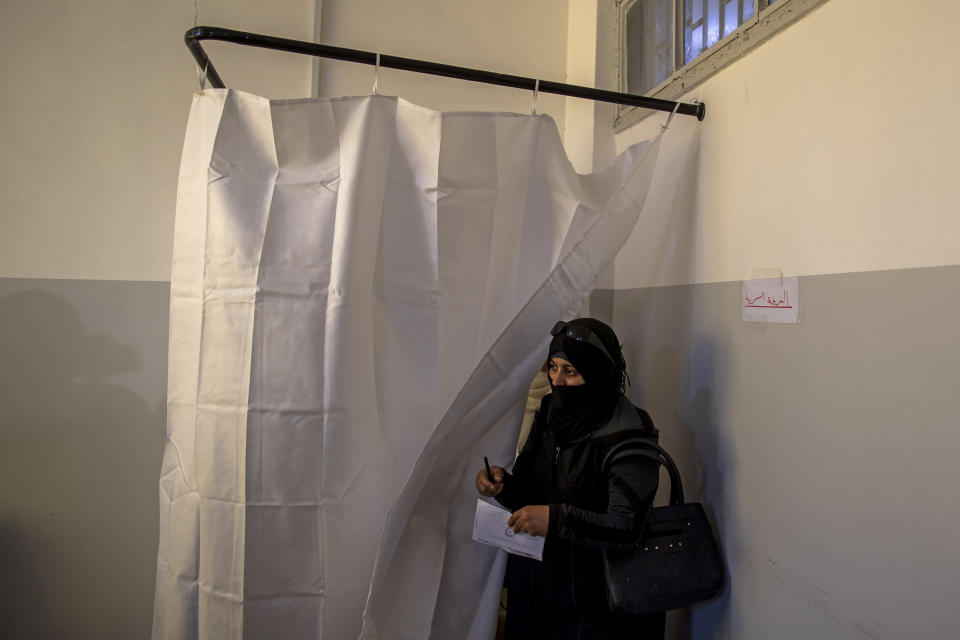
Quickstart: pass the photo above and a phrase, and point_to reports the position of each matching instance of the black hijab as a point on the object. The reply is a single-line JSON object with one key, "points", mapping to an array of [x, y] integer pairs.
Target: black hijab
{"points": [[574, 410]]}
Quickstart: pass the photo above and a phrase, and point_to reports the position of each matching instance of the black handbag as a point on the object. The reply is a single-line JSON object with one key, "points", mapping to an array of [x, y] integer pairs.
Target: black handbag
{"points": [[677, 561]]}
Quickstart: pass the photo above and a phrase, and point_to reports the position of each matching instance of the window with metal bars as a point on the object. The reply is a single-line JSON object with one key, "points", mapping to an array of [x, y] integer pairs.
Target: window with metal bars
{"points": [[669, 46], [707, 21]]}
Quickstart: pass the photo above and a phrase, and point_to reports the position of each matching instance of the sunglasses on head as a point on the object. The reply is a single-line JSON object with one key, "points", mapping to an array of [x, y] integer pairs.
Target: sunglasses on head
{"points": [[581, 334]]}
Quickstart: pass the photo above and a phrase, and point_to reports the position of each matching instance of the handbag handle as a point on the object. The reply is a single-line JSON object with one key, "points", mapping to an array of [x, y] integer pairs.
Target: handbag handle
{"points": [[647, 448]]}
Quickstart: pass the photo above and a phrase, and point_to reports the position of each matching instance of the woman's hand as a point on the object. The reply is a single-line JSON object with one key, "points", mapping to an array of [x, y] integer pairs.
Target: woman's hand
{"points": [[487, 488], [533, 520]]}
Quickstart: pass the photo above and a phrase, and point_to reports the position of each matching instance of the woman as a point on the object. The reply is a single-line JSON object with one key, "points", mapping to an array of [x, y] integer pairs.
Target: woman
{"points": [[558, 490]]}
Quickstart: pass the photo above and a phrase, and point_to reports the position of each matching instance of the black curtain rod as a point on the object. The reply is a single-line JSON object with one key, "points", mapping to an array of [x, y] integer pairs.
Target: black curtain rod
{"points": [[193, 37]]}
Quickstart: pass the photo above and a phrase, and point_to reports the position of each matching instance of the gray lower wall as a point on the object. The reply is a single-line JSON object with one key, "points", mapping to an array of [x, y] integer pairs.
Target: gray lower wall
{"points": [[826, 451], [82, 395]]}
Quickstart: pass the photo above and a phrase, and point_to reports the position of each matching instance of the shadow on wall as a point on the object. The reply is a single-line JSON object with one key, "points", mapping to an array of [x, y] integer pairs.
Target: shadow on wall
{"points": [[712, 463], [78, 471], [691, 430]]}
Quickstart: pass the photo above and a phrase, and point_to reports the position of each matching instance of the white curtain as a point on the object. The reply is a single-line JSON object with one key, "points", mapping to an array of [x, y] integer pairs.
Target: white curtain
{"points": [[361, 292]]}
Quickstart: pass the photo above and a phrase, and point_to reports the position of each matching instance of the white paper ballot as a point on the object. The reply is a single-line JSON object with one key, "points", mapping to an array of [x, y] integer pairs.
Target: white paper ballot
{"points": [[490, 527]]}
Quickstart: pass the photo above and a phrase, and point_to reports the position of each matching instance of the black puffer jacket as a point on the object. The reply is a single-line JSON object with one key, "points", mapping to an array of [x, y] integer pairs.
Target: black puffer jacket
{"points": [[565, 594]]}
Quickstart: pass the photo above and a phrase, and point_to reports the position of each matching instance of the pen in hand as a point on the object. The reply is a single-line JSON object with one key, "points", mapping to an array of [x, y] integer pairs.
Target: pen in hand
{"points": [[486, 463]]}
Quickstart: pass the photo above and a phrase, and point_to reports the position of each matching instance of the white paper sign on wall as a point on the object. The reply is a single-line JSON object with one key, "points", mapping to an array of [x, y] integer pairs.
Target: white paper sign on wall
{"points": [[770, 300]]}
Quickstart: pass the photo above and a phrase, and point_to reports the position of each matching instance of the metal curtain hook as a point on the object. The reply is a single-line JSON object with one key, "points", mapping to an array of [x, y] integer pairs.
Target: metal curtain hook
{"points": [[666, 124], [203, 75]]}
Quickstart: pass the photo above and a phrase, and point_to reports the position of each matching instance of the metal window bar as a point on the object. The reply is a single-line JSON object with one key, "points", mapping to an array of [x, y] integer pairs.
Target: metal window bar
{"points": [[691, 26], [193, 37], [739, 16]]}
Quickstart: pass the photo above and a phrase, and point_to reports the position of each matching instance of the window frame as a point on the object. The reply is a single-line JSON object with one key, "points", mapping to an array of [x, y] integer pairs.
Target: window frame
{"points": [[767, 20]]}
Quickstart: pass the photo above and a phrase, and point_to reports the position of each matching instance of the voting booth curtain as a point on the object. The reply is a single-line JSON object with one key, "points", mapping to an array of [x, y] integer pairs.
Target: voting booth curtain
{"points": [[362, 290]]}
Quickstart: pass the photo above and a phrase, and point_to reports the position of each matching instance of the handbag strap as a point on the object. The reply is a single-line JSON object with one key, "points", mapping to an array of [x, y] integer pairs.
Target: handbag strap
{"points": [[647, 448]]}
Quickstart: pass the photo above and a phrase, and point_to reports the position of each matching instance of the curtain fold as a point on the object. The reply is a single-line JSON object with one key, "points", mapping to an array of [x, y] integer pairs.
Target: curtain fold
{"points": [[361, 292]]}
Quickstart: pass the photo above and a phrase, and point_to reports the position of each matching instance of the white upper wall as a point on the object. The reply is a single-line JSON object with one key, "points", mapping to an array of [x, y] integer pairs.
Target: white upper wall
{"points": [[831, 148], [828, 149], [95, 104], [96, 97]]}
